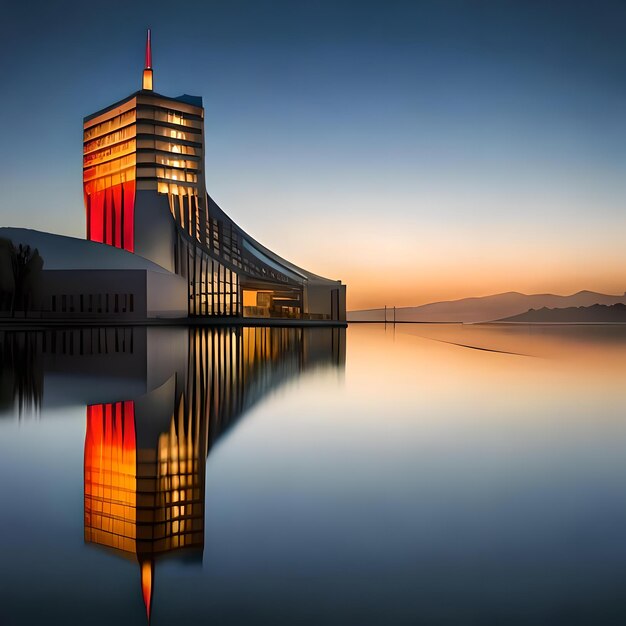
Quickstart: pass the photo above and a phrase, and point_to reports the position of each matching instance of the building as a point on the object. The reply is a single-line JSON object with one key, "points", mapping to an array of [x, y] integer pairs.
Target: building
{"points": [[143, 172], [144, 192]]}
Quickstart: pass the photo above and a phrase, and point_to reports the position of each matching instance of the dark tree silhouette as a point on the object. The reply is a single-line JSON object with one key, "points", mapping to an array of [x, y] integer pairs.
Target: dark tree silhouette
{"points": [[20, 277], [7, 285]]}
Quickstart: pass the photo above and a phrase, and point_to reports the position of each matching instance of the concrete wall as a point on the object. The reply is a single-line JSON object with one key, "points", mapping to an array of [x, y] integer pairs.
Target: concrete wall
{"points": [[142, 293], [98, 289], [319, 301], [155, 230], [342, 303], [167, 295]]}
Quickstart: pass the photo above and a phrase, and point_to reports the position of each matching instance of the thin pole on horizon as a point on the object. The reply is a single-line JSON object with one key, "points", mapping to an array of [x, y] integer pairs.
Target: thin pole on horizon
{"points": [[385, 315], [394, 314]]}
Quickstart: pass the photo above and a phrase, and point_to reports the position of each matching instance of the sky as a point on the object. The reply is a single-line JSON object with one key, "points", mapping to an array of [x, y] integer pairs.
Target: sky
{"points": [[418, 151]]}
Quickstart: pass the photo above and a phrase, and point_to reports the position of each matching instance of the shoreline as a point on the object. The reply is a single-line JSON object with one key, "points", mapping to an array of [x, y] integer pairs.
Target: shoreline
{"points": [[494, 323], [36, 324]]}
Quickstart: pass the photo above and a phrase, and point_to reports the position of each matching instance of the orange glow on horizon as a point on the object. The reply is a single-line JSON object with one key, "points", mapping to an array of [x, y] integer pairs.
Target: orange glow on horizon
{"points": [[418, 277], [404, 257]]}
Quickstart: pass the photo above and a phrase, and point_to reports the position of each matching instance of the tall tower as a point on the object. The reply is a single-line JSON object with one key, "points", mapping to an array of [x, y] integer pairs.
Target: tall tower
{"points": [[142, 164]]}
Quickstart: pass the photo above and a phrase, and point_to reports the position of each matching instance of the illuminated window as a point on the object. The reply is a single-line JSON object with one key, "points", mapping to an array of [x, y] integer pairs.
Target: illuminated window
{"points": [[175, 118], [110, 125], [112, 138]]}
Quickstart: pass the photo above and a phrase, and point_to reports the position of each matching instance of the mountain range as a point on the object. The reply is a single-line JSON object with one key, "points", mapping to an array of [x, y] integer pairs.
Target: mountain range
{"points": [[486, 308], [595, 313]]}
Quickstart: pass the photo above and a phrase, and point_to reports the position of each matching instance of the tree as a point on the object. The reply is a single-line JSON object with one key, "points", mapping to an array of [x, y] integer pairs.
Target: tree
{"points": [[7, 282], [20, 276]]}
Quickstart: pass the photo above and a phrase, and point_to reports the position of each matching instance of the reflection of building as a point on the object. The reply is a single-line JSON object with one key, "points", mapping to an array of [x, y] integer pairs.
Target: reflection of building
{"points": [[157, 401], [143, 501], [145, 458], [170, 251]]}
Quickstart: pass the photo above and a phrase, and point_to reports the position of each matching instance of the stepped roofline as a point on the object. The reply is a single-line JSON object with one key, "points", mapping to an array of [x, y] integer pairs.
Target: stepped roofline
{"points": [[195, 101]]}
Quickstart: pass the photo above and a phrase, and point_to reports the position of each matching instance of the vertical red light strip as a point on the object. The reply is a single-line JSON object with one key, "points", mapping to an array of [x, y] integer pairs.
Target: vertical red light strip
{"points": [[88, 214], [108, 204], [117, 212], [95, 206], [129, 215], [111, 215]]}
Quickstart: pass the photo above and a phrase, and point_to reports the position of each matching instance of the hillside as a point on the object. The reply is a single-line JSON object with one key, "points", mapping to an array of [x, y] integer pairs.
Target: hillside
{"points": [[596, 313], [487, 308]]}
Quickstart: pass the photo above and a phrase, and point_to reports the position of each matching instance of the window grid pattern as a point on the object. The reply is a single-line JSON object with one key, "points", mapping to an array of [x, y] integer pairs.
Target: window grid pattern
{"points": [[214, 289]]}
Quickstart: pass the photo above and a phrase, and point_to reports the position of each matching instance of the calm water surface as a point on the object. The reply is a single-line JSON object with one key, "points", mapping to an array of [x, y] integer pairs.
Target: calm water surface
{"points": [[431, 474]]}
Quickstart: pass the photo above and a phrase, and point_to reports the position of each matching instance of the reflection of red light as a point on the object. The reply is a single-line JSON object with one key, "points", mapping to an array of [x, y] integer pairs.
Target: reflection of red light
{"points": [[111, 214], [110, 451], [147, 571], [111, 475]]}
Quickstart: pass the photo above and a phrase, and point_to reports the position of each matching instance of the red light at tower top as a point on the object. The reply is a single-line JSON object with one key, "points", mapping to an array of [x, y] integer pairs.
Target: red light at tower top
{"points": [[147, 72], [148, 52]]}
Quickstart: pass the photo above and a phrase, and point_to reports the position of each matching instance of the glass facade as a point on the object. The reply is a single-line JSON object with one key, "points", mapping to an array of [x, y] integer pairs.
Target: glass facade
{"points": [[214, 288], [174, 167]]}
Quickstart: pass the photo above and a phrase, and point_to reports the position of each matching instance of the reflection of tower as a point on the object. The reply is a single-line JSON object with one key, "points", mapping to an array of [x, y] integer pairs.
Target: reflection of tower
{"points": [[143, 501], [145, 458]]}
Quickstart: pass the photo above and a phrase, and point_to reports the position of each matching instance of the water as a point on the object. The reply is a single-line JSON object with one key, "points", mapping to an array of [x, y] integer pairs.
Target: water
{"points": [[427, 474]]}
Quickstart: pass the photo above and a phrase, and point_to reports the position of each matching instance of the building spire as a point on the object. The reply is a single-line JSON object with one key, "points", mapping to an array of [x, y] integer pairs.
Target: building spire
{"points": [[148, 52], [147, 71]]}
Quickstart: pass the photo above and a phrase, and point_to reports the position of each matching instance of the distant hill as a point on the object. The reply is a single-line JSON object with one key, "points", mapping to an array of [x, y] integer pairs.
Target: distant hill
{"points": [[487, 308], [595, 313]]}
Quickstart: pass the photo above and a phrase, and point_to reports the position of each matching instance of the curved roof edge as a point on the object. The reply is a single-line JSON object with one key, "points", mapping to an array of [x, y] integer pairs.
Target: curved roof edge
{"points": [[60, 252], [310, 276]]}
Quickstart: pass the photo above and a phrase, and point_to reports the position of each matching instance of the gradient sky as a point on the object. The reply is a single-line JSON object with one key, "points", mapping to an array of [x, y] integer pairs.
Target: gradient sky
{"points": [[419, 151]]}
